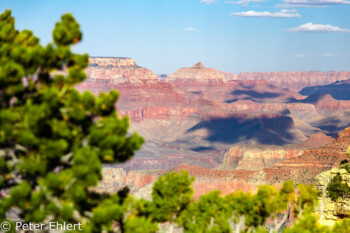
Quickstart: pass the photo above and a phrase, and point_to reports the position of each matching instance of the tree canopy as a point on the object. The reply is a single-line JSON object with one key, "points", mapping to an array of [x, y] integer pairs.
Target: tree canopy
{"points": [[54, 139]]}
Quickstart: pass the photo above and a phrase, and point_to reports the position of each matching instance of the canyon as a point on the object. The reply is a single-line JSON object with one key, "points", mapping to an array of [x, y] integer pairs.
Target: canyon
{"points": [[229, 131]]}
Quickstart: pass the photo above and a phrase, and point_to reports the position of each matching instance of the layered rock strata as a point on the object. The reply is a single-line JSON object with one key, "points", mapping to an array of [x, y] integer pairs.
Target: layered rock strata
{"points": [[253, 158], [296, 80], [304, 168], [196, 114], [198, 72]]}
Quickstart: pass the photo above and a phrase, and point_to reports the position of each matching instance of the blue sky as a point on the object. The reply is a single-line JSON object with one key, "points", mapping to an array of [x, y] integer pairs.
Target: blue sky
{"points": [[236, 36]]}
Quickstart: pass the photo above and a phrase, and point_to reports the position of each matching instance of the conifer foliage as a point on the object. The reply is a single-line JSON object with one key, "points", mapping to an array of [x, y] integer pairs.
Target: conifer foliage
{"points": [[54, 139]]}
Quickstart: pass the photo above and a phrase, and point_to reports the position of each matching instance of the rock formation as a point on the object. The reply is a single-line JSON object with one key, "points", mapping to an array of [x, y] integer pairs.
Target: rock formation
{"points": [[332, 211], [317, 140], [255, 158], [113, 62], [197, 73], [118, 70], [304, 168]]}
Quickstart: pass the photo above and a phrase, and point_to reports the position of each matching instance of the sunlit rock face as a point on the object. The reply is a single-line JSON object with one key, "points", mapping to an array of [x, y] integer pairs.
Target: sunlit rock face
{"points": [[253, 158], [332, 211], [118, 70], [198, 72], [304, 168]]}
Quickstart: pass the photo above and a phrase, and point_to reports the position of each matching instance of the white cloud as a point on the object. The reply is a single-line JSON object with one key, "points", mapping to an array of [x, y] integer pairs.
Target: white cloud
{"points": [[267, 14], [208, 1], [312, 3], [302, 55], [244, 2], [190, 29], [289, 11], [172, 30], [310, 27]]}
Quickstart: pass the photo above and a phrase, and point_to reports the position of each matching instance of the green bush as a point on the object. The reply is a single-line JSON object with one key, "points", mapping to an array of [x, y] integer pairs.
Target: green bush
{"points": [[338, 188]]}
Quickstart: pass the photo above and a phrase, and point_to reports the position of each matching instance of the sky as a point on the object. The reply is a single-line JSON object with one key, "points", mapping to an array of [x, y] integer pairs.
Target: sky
{"points": [[235, 36]]}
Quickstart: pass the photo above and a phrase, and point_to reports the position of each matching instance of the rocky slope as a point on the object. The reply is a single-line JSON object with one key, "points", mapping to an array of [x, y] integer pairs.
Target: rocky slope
{"points": [[317, 140], [304, 168]]}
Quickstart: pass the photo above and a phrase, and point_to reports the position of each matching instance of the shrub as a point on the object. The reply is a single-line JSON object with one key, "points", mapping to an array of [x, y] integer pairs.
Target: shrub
{"points": [[338, 188]]}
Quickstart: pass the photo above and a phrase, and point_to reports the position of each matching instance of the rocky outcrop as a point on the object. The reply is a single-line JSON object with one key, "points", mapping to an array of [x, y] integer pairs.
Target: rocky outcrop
{"points": [[118, 69], [304, 168], [332, 211], [316, 140], [144, 192], [255, 158], [344, 137], [112, 62], [113, 179], [139, 87], [296, 80], [197, 73]]}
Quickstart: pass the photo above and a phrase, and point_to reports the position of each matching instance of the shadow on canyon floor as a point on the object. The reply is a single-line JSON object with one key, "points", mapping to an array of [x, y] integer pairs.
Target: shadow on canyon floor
{"points": [[333, 126], [236, 99], [255, 94], [203, 148], [339, 90], [266, 130]]}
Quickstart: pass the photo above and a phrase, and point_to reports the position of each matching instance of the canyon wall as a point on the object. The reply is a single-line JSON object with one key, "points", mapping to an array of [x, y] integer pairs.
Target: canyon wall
{"points": [[196, 114], [304, 168], [253, 158], [295, 80]]}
